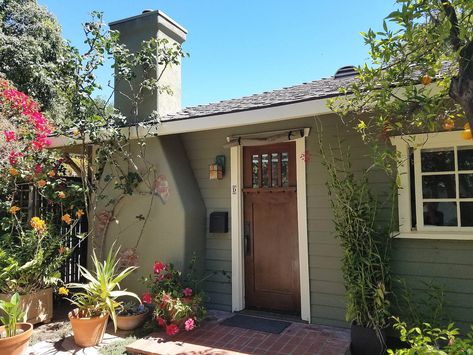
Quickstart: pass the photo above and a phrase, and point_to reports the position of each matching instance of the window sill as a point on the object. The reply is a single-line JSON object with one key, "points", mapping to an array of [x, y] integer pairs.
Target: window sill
{"points": [[438, 235]]}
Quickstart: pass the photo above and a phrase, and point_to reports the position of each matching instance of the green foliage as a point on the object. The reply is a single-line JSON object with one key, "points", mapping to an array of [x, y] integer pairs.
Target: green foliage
{"points": [[32, 50], [117, 347], [419, 75], [30, 261], [429, 307], [131, 308], [177, 297], [365, 263], [426, 339], [99, 296], [11, 314]]}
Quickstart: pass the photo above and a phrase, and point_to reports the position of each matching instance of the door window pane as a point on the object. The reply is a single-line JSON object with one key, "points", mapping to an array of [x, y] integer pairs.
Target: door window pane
{"points": [[440, 214], [466, 212], [285, 169], [465, 158], [264, 170], [438, 186], [466, 185], [437, 160], [274, 169], [254, 171]]}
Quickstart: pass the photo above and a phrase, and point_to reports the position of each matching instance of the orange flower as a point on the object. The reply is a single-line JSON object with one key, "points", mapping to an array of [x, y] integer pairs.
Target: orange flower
{"points": [[51, 173], [62, 249], [79, 213], [14, 209], [66, 218], [467, 132], [41, 183], [13, 172], [38, 224], [61, 194]]}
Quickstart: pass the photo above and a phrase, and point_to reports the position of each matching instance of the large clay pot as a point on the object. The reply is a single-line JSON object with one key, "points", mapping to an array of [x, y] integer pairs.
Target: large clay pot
{"points": [[18, 344], [131, 322], [38, 305], [87, 331]]}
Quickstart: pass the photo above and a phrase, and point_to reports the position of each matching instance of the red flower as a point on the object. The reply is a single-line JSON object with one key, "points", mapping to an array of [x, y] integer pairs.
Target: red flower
{"points": [[172, 329], [146, 298], [187, 292], [158, 267], [161, 322]]}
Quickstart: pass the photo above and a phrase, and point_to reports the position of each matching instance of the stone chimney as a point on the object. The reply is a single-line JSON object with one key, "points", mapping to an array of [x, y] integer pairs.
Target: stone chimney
{"points": [[133, 31]]}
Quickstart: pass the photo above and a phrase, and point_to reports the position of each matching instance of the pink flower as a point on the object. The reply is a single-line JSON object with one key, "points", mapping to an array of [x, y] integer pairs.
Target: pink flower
{"points": [[146, 298], [172, 329], [9, 136], [189, 325], [187, 292], [158, 267]]}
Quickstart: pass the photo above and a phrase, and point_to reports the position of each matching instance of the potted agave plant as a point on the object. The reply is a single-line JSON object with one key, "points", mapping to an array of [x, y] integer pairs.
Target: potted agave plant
{"points": [[98, 300], [14, 335]]}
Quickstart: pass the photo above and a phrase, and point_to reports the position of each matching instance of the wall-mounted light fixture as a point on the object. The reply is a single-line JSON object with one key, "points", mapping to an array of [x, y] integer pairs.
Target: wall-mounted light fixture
{"points": [[217, 169]]}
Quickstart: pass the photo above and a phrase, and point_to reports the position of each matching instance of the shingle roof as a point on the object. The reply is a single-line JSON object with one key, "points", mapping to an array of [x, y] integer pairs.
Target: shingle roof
{"points": [[314, 90]]}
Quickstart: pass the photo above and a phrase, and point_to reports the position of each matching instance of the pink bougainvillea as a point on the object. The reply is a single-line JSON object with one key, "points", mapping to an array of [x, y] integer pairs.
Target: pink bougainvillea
{"points": [[24, 129]]}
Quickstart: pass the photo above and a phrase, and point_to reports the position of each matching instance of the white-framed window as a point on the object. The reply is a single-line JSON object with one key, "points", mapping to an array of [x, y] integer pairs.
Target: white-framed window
{"points": [[436, 194]]}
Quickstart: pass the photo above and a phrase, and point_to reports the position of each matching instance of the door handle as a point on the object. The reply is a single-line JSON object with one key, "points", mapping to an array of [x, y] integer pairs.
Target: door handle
{"points": [[247, 238]]}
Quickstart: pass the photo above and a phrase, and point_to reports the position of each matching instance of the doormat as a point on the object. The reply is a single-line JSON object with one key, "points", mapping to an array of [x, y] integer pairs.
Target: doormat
{"points": [[254, 323]]}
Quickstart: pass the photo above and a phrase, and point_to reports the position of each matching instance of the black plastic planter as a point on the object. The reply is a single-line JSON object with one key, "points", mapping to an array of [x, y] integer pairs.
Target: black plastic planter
{"points": [[366, 341]]}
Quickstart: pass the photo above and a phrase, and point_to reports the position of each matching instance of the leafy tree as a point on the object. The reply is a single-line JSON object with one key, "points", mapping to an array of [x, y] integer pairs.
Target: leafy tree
{"points": [[31, 50], [421, 73]]}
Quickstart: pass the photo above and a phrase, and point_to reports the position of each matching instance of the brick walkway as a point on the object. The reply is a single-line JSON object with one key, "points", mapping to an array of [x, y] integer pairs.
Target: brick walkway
{"points": [[216, 339]]}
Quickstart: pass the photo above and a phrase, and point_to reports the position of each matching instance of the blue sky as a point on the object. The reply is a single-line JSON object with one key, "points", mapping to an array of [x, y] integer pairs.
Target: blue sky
{"points": [[242, 47]]}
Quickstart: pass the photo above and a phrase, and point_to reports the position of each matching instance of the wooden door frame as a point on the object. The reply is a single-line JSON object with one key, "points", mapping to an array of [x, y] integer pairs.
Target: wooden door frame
{"points": [[238, 272]]}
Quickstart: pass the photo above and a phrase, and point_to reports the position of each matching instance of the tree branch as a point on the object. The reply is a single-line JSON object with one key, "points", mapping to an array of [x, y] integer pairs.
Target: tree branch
{"points": [[453, 19]]}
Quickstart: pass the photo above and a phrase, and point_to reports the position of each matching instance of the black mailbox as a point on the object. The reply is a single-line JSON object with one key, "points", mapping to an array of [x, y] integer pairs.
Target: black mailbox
{"points": [[218, 222]]}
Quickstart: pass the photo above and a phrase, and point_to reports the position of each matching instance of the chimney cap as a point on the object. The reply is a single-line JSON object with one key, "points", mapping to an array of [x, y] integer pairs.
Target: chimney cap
{"points": [[160, 14], [347, 70]]}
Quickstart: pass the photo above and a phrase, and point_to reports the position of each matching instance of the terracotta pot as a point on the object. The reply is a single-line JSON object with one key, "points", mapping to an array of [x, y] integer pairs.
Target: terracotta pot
{"points": [[131, 322], [18, 344], [37, 305], [87, 331]]}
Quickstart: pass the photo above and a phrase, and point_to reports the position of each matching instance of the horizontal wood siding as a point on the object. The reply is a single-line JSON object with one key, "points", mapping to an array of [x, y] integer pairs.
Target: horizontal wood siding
{"points": [[449, 263], [444, 263]]}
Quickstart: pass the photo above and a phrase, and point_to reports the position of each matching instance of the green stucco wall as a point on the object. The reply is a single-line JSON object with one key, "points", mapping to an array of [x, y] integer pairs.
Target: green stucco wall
{"points": [[175, 229]]}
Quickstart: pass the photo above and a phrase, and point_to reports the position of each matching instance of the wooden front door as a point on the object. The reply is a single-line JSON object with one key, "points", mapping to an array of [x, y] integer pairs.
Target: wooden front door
{"points": [[270, 228]]}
